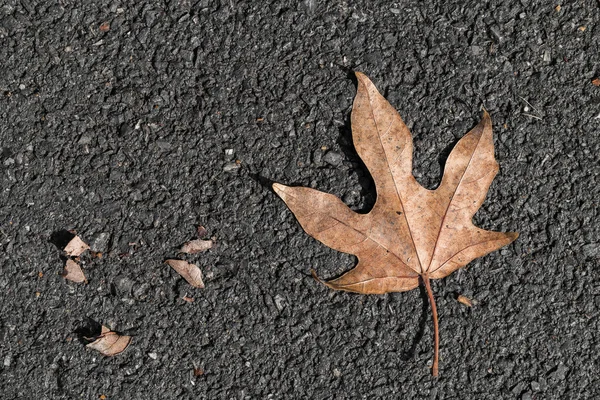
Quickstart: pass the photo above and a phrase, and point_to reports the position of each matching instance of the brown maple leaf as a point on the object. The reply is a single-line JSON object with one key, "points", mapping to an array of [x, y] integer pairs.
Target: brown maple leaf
{"points": [[411, 233]]}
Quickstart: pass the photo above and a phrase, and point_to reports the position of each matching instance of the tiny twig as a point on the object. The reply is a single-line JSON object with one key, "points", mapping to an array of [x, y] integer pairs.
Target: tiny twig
{"points": [[532, 116], [436, 334], [528, 103]]}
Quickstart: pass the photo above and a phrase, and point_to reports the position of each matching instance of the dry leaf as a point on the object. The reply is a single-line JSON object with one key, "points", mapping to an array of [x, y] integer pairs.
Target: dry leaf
{"points": [[104, 27], [464, 300], [412, 233], [75, 247], [188, 298], [189, 272], [196, 246], [110, 343], [596, 81], [73, 272]]}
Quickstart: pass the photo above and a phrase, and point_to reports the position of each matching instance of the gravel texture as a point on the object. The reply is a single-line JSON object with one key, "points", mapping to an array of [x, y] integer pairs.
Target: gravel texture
{"points": [[178, 113]]}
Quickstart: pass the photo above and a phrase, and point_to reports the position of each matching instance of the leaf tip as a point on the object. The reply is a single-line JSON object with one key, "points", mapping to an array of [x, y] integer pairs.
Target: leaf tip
{"points": [[279, 189], [362, 79], [359, 75], [486, 116]]}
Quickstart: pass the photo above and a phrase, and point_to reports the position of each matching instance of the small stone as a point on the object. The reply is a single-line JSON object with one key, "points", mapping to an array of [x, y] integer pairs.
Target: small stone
{"points": [[561, 372], [7, 361], [279, 302], [99, 242], [137, 195], [351, 198], [141, 291], [124, 285], [162, 145], [317, 157], [337, 373], [230, 167], [535, 386], [153, 355], [85, 139], [496, 32], [333, 158], [591, 250], [518, 388], [22, 86], [547, 56], [526, 396]]}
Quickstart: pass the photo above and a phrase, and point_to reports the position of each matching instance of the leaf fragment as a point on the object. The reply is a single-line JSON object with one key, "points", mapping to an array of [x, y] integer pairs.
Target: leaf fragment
{"points": [[201, 232], [190, 272], [188, 299], [73, 272], [110, 343], [464, 300], [196, 246], [76, 247]]}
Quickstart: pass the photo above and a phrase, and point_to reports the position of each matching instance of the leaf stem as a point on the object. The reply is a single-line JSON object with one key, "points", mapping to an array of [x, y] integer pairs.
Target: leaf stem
{"points": [[436, 334]]}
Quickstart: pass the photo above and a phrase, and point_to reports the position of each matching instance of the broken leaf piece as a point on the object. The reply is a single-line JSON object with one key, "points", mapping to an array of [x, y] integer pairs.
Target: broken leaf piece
{"points": [[412, 234], [196, 246], [465, 300], [189, 272], [110, 343], [75, 247], [201, 232], [73, 272], [188, 298]]}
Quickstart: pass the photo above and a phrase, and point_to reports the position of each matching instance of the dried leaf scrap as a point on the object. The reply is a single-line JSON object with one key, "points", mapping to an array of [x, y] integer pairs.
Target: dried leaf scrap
{"points": [[73, 272], [465, 300], [110, 343], [196, 246], [412, 234], [76, 247], [190, 272]]}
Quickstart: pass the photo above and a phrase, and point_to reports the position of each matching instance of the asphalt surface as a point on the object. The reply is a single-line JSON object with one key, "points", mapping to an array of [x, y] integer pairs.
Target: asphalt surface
{"points": [[130, 137]]}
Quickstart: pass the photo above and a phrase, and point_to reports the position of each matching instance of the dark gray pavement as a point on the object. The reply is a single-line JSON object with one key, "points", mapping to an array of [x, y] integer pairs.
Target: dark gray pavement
{"points": [[123, 135]]}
